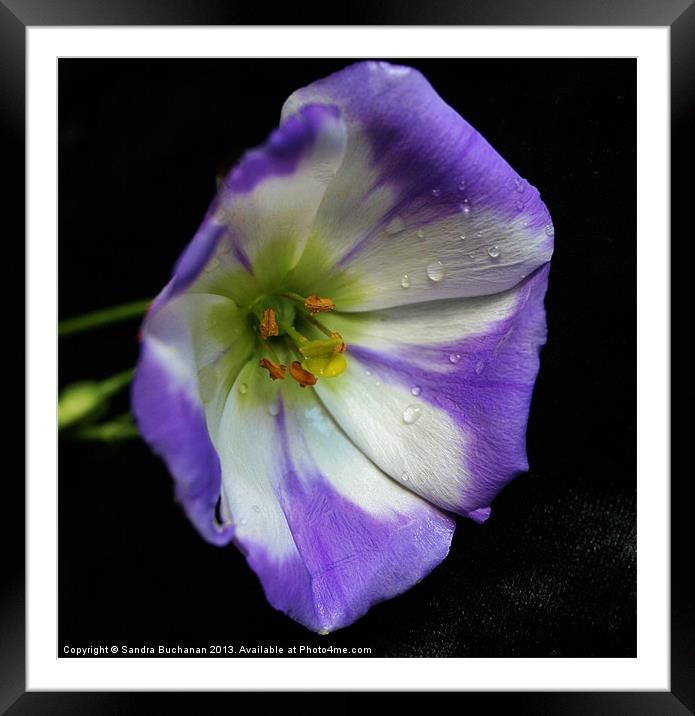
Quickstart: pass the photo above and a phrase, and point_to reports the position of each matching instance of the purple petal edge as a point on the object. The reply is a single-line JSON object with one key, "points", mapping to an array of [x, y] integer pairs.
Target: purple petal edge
{"points": [[489, 393], [174, 426], [347, 560], [435, 162], [280, 156]]}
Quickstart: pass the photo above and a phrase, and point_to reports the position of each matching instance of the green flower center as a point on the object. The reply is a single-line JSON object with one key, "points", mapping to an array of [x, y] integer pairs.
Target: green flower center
{"points": [[286, 325]]}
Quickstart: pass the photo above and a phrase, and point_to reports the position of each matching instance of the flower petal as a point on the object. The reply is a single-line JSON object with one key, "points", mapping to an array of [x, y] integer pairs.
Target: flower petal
{"points": [[327, 533], [258, 223], [421, 200], [192, 350], [438, 394]]}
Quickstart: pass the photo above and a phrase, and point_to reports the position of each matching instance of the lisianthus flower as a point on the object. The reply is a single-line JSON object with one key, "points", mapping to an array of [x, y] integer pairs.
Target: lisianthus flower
{"points": [[344, 357]]}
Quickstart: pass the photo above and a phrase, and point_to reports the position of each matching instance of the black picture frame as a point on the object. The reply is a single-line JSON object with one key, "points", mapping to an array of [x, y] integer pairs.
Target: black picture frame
{"points": [[17, 15]]}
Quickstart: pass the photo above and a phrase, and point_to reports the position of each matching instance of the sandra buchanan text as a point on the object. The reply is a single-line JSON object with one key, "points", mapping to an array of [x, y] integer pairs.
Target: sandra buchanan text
{"points": [[213, 650]]}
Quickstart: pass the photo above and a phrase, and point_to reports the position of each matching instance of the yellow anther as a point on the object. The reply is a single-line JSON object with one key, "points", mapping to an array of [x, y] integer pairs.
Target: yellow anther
{"points": [[275, 370], [326, 366], [268, 326], [316, 304], [302, 376]]}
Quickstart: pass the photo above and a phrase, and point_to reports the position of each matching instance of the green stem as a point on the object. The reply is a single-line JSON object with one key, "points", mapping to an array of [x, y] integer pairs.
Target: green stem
{"points": [[96, 319]]}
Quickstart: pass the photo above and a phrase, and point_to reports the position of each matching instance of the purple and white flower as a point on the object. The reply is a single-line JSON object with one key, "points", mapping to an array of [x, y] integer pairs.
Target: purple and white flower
{"points": [[376, 196]]}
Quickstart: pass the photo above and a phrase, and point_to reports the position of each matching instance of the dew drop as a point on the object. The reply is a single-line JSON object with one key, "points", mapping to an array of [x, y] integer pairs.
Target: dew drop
{"points": [[243, 522], [519, 205], [436, 192], [550, 230], [519, 185], [256, 508], [416, 390], [405, 281], [465, 207], [405, 477], [462, 237], [412, 414], [436, 271], [395, 226], [479, 367], [274, 409], [367, 372], [462, 185], [243, 388], [494, 252], [420, 234], [454, 358]]}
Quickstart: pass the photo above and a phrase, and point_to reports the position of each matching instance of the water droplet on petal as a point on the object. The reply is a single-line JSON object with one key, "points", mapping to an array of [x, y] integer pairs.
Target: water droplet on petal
{"points": [[256, 508], [274, 409], [462, 184], [405, 477], [243, 522], [436, 271], [436, 192], [420, 234], [519, 184], [465, 207], [395, 226], [462, 237], [454, 358], [243, 388], [412, 414], [405, 281], [549, 229], [416, 390], [494, 252], [479, 367], [519, 205]]}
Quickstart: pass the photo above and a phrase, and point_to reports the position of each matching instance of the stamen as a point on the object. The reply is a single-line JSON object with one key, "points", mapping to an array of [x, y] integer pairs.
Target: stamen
{"points": [[313, 303], [315, 322], [341, 348], [302, 376], [316, 304], [275, 370], [268, 325]]}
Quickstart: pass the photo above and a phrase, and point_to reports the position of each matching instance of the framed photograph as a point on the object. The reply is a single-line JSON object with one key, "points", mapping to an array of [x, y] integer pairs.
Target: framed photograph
{"points": [[348, 344]]}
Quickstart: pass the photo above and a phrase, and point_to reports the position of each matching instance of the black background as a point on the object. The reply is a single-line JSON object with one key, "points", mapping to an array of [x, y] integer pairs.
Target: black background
{"points": [[552, 573]]}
